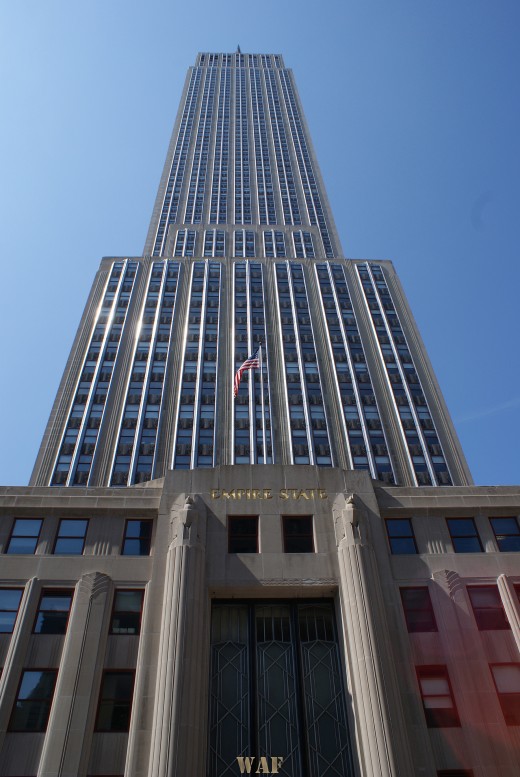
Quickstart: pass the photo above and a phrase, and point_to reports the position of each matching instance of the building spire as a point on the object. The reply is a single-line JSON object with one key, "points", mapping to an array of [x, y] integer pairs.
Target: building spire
{"points": [[238, 50]]}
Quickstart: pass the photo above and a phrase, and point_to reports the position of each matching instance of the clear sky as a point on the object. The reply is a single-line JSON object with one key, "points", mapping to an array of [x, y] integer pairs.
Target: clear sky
{"points": [[413, 107]]}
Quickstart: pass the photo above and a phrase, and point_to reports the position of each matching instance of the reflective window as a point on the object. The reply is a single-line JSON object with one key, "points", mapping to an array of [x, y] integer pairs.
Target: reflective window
{"points": [[437, 697], [53, 612], [115, 701], [33, 702], [9, 603], [401, 536], [25, 534], [507, 534], [138, 538], [464, 535], [71, 538], [127, 611]]}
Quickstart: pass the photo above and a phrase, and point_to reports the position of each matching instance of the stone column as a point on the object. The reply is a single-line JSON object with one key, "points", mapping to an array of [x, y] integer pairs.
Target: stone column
{"points": [[15, 658], [69, 733], [179, 722], [511, 606], [384, 749]]}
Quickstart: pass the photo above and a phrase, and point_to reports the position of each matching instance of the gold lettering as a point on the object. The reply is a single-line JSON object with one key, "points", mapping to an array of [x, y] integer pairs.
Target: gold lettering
{"points": [[267, 494], [255, 494], [276, 762], [245, 764], [215, 493], [263, 767], [229, 494], [322, 493], [283, 494]]}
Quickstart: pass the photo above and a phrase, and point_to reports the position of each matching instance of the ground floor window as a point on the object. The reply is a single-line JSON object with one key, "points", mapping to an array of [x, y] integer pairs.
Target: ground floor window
{"points": [[276, 691]]}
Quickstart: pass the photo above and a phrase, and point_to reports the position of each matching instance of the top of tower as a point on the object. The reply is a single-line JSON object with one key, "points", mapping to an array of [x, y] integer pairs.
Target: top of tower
{"points": [[238, 59]]}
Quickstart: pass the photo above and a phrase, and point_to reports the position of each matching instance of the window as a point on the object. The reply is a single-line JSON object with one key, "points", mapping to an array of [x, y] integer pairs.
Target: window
{"points": [[33, 703], [9, 603], [115, 701], [455, 773], [487, 607], [138, 538], [53, 613], [437, 698], [242, 534], [71, 538], [464, 535], [507, 534], [400, 535], [418, 609], [298, 534], [25, 534], [126, 614], [507, 683]]}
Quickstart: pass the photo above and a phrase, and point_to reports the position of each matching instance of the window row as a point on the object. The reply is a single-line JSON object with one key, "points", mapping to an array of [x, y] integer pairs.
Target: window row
{"points": [[463, 532], [32, 707], [54, 607], [438, 700], [485, 600], [297, 533], [71, 536]]}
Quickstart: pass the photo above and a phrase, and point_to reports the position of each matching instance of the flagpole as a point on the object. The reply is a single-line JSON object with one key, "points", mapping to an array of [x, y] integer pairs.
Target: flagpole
{"points": [[263, 404]]}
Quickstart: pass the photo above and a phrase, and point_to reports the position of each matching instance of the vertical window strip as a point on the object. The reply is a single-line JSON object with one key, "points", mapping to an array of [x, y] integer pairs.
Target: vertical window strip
{"points": [[249, 332], [184, 426], [134, 461], [79, 443], [197, 187], [176, 176], [308, 178], [206, 422], [309, 429], [416, 421], [242, 170], [366, 439], [290, 207], [219, 185], [264, 182]]}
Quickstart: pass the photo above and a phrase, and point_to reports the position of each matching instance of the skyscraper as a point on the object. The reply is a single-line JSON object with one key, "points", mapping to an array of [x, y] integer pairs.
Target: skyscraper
{"points": [[207, 579], [242, 249]]}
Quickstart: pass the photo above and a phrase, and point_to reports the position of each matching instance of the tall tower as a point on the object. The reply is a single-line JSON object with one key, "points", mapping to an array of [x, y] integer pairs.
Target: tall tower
{"points": [[202, 585], [242, 250]]}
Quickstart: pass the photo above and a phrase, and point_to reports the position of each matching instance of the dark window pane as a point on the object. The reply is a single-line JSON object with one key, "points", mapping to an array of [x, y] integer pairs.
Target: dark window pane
{"points": [[73, 528], [298, 534], [243, 534], [507, 682], [487, 608], [115, 703], [464, 535], [137, 540], [33, 704], [418, 609], [126, 616], [9, 602], [24, 537], [401, 536], [69, 547], [53, 613], [507, 533]]}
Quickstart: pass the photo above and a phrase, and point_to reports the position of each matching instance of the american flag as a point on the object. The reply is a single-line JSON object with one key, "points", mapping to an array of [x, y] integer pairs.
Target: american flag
{"points": [[251, 363]]}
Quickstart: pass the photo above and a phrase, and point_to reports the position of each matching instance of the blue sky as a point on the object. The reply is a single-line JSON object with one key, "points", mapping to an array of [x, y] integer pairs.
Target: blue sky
{"points": [[413, 107]]}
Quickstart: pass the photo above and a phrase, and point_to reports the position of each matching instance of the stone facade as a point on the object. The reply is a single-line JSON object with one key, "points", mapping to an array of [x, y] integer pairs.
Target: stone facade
{"points": [[189, 567]]}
